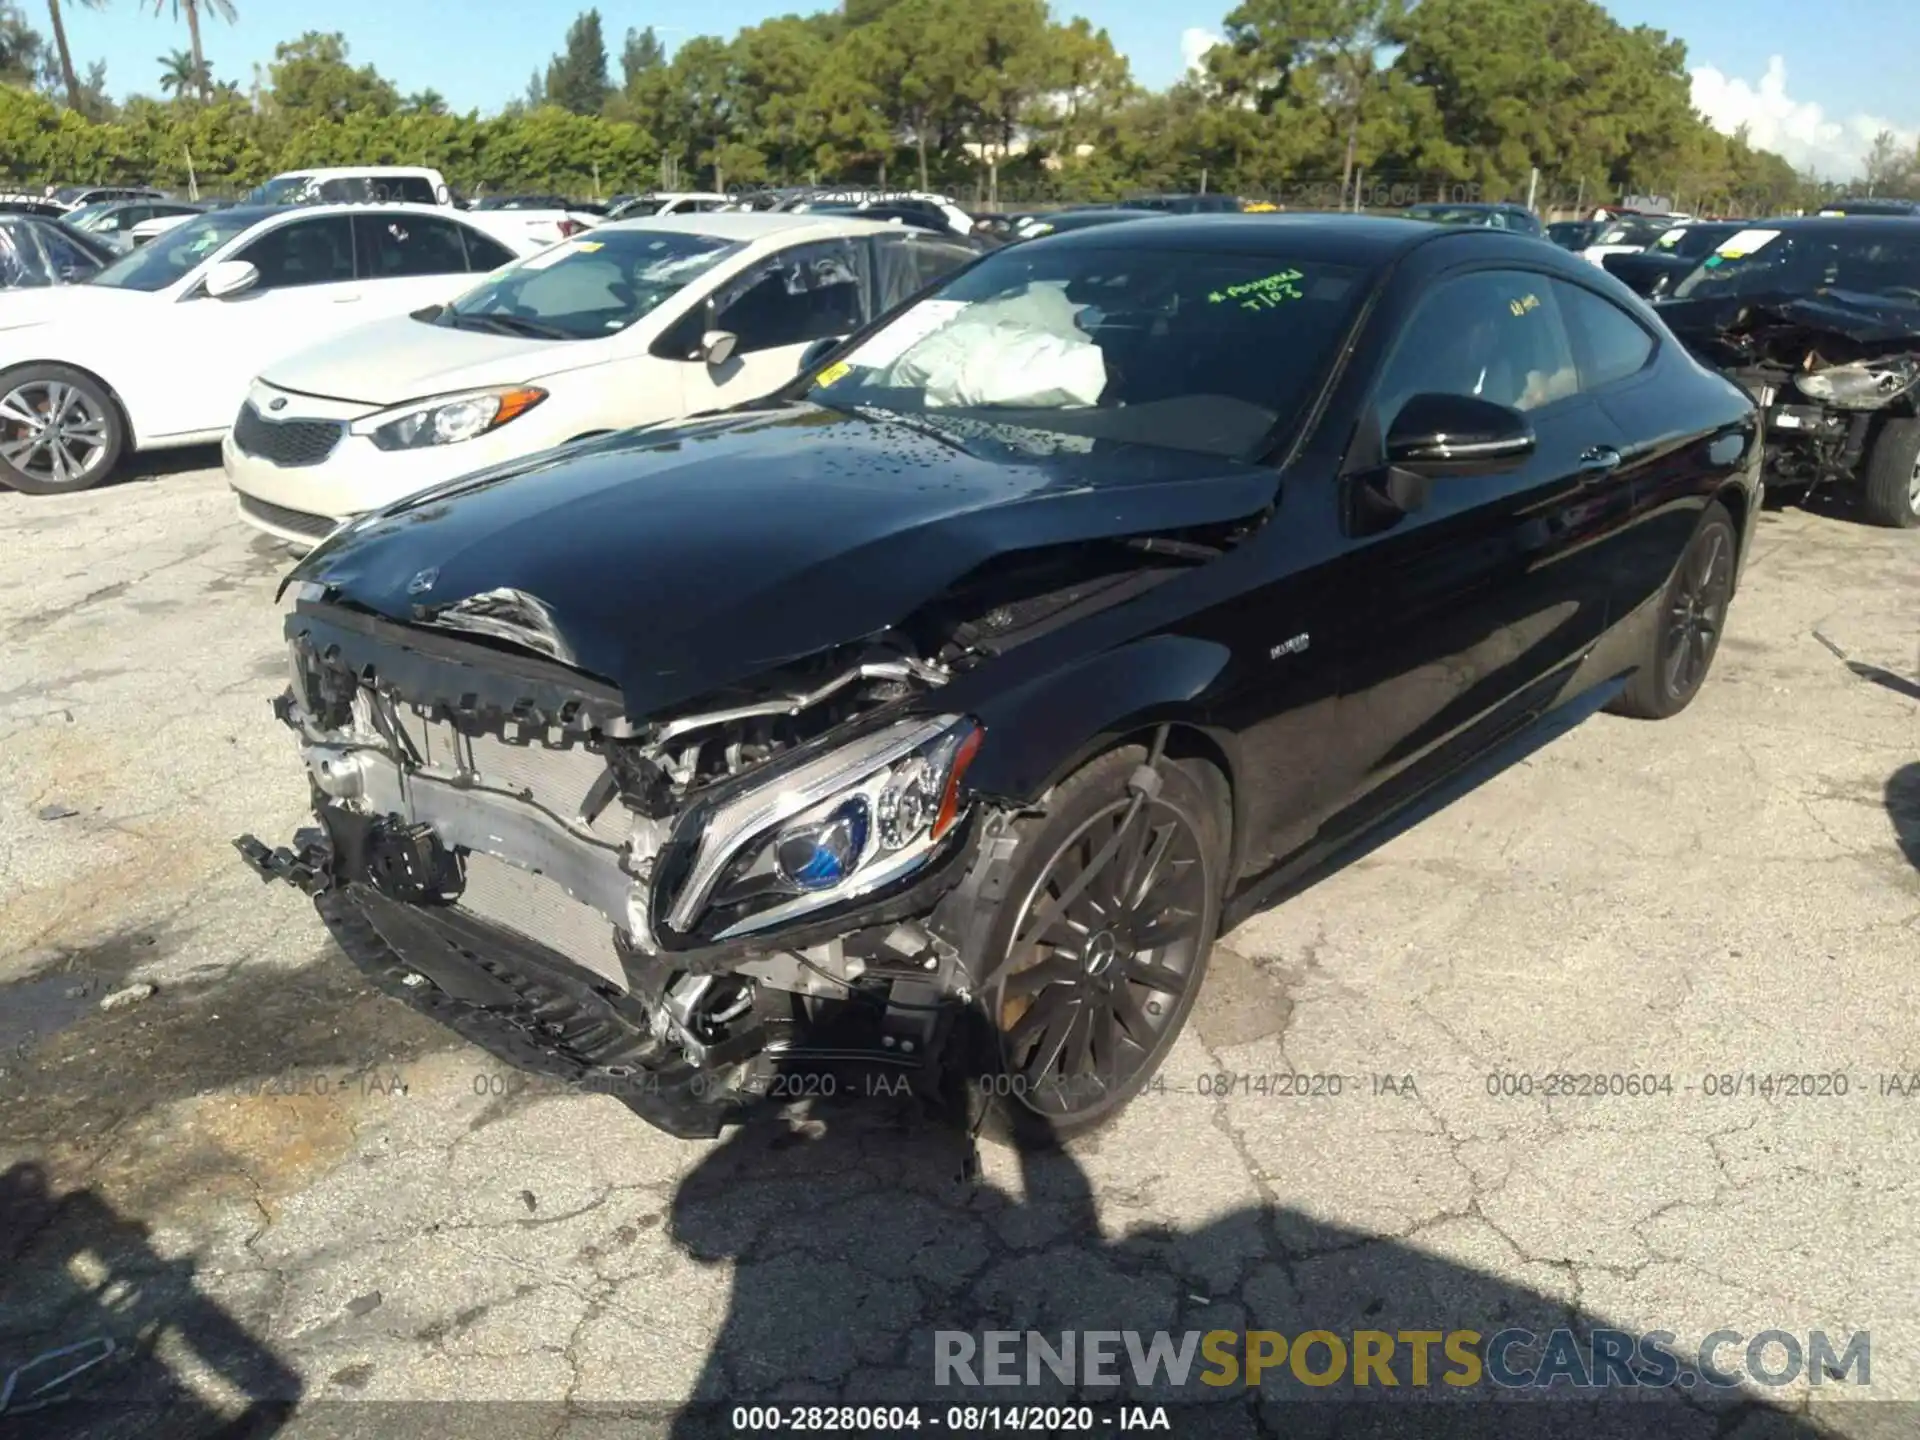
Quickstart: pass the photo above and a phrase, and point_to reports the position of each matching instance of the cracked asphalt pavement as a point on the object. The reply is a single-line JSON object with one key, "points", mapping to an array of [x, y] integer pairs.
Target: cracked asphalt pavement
{"points": [[265, 1180]]}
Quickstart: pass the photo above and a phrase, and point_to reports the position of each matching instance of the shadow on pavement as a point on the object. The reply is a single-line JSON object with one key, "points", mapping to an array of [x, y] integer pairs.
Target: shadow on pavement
{"points": [[134, 1329], [854, 1240], [1903, 809]]}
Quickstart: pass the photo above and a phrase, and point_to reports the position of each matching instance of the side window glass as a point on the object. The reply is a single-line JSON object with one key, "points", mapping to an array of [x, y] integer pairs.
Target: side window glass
{"points": [[66, 259], [21, 260], [1609, 342], [395, 247], [808, 293], [414, 189], [483, 252], [307, 252], [1496, 334]]}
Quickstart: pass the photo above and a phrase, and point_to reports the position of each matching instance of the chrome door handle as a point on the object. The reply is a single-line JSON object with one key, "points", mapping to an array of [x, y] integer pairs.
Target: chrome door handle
{"points": [[1599, 461]]}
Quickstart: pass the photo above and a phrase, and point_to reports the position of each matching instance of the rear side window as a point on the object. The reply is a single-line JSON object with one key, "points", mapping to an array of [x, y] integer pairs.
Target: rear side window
{"points": [[394, 247], [908, 264], [484, 253], [1608, 343], [307, 252], [413, 189]]}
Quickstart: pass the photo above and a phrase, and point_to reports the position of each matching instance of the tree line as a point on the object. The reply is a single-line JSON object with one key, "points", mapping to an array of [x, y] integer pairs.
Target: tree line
{"points": [[986, 98]]}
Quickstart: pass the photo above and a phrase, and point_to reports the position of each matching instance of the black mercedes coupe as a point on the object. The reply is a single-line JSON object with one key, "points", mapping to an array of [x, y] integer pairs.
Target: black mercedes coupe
{"points": [[931, 718]]}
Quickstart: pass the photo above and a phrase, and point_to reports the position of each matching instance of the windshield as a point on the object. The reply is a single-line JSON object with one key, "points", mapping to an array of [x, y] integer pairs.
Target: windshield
{"points": [[172, 253], [281, 190], [638, 209], [584, 289], [1780, 262], [1141, 346], [87, 216], [1449, 215], [1634, 232]]}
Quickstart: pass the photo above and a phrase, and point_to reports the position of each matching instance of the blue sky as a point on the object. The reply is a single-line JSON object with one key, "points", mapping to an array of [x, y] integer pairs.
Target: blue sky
{"points": [[1814, 80]]}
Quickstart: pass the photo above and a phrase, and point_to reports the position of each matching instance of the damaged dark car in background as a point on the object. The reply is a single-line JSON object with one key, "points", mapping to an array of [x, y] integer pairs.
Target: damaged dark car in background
{"points": [[1820, 320], [931, 717]]}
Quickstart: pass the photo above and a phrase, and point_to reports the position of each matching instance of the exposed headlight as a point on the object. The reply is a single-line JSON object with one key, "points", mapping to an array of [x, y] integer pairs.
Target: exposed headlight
{"points": [[1865, 386], [449, 420], [838, 827]]}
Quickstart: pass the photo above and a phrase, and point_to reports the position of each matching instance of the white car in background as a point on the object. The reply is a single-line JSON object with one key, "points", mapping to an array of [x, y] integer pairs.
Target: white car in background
{"points": [[157, 349], [1628, 234], [669, 202], [638, 322]]}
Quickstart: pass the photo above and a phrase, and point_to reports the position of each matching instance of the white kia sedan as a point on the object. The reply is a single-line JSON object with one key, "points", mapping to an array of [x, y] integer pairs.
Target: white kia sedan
{"points": [[158, 348], [637, 322]]}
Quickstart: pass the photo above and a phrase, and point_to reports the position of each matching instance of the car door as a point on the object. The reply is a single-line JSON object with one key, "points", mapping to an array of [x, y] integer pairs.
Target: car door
{"points": [[1470, 608], [306, 291], [775, 309]]}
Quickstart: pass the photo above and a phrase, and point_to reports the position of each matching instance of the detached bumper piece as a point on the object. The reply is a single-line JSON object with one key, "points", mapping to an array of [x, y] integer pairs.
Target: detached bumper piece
{"points": [[527, 1005], [306, 865]]}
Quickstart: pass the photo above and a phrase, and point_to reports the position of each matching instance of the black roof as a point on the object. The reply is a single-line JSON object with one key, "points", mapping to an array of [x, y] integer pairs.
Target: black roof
{"points": [[1889, 225], [1364, 240]]}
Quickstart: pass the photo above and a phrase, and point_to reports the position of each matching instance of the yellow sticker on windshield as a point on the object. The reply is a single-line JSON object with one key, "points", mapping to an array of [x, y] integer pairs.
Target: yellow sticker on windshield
{"points": [[589, 245], [1262, 294], [832, 373], [1524, 304]]}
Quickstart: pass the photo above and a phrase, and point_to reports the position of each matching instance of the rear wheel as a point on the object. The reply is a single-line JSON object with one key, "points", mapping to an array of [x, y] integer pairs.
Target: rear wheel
{"points": [[1104, 935], [1892, 476], [1686, 631], [59, 430]]}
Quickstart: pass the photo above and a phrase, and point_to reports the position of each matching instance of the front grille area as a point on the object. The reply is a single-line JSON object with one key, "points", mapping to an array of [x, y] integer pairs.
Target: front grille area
{"points": [[555, 778], [536, 906], [285, 442], [316, 527]]}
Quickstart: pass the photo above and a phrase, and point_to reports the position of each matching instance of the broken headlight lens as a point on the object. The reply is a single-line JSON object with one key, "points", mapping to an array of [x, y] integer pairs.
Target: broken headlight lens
{"points": [[1864, 386], [830, 830], [449, 420]]}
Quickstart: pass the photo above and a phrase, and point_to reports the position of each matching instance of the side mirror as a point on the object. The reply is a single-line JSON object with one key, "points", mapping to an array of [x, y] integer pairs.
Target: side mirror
{"points": [[1435, 435], [232, 277], [816, 352], [716, 347]]}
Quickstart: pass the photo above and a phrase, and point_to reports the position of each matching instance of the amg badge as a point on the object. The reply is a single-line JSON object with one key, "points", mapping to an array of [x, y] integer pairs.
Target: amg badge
{"points": [[1289, 647]]}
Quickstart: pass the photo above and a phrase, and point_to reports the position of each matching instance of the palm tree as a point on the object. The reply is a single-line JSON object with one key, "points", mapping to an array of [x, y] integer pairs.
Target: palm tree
{"points": [[67, 75], [425, 102], [223, 8], [178, 75]]}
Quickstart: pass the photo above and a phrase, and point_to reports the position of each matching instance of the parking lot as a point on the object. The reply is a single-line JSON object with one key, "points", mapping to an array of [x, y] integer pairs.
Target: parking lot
{"points": [[282, 1184]]}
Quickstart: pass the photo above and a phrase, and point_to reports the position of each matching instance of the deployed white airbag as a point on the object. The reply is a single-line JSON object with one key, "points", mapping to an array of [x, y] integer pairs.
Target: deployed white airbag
{"points": [[1020, 350]]}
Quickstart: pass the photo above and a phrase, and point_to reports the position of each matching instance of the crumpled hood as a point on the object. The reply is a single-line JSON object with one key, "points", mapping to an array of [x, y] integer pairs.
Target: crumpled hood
{"points": [[673, 561], [1735, 329], [393, 361]]}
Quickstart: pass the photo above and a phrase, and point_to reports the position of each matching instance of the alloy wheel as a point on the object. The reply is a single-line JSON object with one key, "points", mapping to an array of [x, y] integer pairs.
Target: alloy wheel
{"points": [[1107, 945], [52, 432], [1913, 487], [1698, 610]]}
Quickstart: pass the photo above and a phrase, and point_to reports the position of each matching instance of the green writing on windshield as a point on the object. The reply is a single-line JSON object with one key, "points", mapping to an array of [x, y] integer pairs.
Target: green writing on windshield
{"points": [[1262, 294]]}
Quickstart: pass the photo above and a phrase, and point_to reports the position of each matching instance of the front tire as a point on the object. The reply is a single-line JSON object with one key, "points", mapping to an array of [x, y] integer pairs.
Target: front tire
{"points": [[1892, 475], [1686, 630], [1101, 959], [60, 431]]}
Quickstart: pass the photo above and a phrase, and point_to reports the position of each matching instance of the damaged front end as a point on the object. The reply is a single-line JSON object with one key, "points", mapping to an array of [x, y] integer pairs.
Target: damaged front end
{"points": [[1826, 374], [679, 912]]}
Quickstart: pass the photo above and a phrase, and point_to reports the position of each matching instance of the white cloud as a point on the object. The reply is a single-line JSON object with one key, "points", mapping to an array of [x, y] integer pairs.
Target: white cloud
{"points": [[1194, 44], [1798, 129]]}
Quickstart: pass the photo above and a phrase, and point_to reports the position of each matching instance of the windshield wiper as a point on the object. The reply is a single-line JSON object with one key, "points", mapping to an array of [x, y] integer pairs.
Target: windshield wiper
{"points": [[506, 325]]}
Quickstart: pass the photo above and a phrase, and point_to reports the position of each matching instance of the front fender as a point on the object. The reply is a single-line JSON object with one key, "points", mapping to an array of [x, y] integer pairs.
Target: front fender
{"points": [[1039, 730]]}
